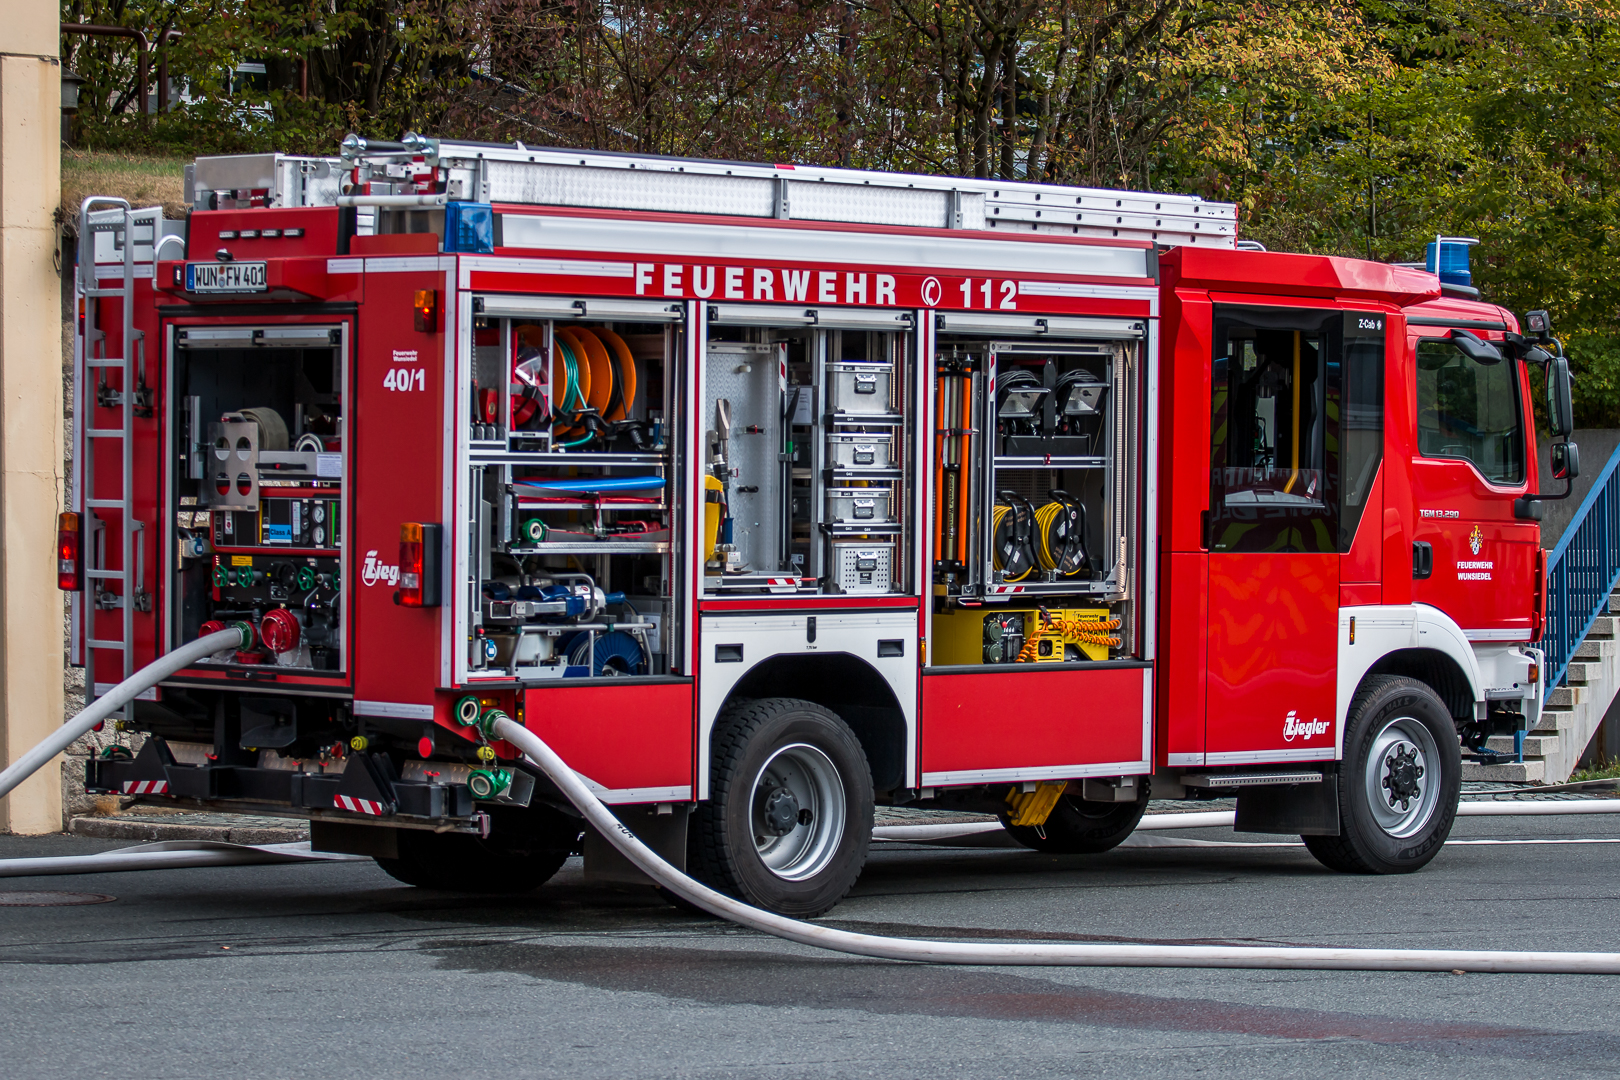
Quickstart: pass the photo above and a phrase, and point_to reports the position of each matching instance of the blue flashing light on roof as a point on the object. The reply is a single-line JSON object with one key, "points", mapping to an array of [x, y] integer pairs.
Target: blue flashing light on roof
{"points": [[469, 227], [1448, 257]]}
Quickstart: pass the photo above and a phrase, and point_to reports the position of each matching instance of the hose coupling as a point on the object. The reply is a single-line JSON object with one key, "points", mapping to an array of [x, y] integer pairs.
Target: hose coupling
{"points": [[487, 722]]}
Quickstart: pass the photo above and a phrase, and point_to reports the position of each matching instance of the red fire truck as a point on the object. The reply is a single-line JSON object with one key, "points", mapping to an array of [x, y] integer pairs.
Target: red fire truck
{"points": [[766, 494]]}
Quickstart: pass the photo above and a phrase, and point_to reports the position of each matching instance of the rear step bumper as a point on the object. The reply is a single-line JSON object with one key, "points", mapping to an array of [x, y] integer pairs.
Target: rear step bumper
{"points": [[373, 797]]}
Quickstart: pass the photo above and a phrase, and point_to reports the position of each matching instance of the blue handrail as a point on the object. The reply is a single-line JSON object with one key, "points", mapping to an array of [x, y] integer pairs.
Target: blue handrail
{"points": [[1582, 571]]}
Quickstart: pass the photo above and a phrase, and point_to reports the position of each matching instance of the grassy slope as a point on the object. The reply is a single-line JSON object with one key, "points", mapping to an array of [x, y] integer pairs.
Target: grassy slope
{"points": [[144, 180]]}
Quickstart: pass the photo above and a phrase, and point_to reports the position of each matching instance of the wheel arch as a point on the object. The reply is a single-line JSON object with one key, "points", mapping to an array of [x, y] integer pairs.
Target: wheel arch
{"points": [[848, 686], [1414, 640], [1437, 670]]}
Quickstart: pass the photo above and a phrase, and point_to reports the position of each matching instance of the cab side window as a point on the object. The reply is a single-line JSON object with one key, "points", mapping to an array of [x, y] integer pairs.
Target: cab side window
{"points": [[1470, 411], [1297, 426]]}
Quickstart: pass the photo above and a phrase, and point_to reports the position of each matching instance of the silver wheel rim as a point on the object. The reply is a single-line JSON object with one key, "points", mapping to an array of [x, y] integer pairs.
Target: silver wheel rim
{"points": [[1403, 785], [797, 777]]}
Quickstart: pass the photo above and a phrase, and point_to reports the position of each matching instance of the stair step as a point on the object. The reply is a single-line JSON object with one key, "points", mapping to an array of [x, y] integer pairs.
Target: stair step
{"points": [[1530, 772], [1614, 603], [1582, 673], [1534, 745], [1567, 696], [1594, 649], [1602, 627], [1554, 720]]}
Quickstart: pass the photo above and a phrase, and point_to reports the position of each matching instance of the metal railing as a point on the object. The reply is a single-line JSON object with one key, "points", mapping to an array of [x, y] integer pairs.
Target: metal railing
{"points": [[1581, 572]]}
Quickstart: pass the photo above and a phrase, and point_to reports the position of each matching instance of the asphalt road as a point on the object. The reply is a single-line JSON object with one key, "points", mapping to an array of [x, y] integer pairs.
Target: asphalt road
{"points": [[334, 970]]}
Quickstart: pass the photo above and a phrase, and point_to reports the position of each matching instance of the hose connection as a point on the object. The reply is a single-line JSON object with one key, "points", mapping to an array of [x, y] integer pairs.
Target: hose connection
{"points": [[487, 722], [489, 783], [467, 711]]}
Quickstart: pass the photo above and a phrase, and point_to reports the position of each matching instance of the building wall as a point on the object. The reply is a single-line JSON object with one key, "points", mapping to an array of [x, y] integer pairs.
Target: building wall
{"points": [[30, 407]]}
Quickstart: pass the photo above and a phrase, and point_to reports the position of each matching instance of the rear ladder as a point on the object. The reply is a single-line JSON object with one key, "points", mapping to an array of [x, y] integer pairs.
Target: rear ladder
{"points": [[112, 583]]}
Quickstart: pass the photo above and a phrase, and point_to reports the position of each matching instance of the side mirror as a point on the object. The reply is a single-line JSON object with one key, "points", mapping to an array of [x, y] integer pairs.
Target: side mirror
{"points": [[1560, 406], [1538, 324], [1476, 348], [1566, 461]]}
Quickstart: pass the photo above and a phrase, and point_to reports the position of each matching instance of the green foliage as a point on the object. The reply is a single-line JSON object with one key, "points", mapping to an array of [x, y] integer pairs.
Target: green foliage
{"points": [[1595, 365], [1352, 127]]}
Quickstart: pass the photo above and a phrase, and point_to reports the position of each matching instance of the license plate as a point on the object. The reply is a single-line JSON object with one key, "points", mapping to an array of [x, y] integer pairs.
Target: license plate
{"points": [[226, 277]]}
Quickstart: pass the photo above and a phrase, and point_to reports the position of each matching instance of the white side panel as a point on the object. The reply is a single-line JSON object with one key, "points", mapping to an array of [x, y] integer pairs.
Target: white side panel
{"points": [[765, 636], [458, 360], [1033, 775], [686, 242], [1382, 629]]}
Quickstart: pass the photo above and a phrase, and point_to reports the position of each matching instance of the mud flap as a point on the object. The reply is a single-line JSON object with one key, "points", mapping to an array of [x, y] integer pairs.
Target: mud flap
{"points": [[1296, 809], [664, 833]]}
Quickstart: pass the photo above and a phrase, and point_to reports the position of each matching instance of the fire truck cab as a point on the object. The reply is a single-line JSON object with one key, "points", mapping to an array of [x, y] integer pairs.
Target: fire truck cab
{"points": [[768, 494]]}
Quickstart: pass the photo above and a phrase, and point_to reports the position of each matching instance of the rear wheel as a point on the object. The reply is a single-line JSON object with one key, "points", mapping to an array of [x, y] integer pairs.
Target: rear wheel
{"points": [[1078, 827], [524, 849], [789, 816], [1399, 782]]}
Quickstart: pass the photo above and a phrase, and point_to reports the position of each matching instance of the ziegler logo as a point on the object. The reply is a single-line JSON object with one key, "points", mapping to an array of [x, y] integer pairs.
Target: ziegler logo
{"points": [[1476, 540], [375, 571], [1293, 725]]}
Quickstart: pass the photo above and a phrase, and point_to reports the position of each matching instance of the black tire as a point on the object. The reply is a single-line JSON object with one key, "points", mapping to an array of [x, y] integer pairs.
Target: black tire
{"points": [[1385, 725], [818, 857], [1078, 827], [525, 848]]}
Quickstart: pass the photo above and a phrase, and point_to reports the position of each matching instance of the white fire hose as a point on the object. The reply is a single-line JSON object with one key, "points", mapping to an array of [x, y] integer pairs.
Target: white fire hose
{"points": [[825, 937], [104, 706], [1012, 953]]}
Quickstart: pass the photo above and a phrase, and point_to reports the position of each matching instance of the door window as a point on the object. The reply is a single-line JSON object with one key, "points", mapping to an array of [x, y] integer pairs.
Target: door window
{"points": [[1297, 426], [1469, 410]]}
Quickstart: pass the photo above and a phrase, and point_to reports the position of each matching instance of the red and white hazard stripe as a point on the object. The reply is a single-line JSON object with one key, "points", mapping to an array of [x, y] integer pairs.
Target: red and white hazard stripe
{"points": [[358, 806], [146, 787]]}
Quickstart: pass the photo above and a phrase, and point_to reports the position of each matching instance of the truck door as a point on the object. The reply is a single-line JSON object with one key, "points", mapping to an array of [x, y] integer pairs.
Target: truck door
{"points": [[1472, 559], [1289, 482]]}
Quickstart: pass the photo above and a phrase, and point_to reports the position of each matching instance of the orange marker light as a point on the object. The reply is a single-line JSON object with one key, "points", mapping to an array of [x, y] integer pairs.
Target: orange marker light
{"points": [[426, 307]]}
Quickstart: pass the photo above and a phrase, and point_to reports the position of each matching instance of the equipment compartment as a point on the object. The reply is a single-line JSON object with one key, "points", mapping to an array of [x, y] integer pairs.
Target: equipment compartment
{"points": [[805, 451], [1035, 498], [259, 496], [573, 493]]}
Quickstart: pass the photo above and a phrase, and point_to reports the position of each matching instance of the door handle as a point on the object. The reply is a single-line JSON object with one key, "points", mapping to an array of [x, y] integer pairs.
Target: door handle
{"points": [[1422, 560]]}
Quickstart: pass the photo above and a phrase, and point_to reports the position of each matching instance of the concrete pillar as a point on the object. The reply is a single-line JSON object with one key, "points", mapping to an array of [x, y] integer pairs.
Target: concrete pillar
{"points": [[30, 407]]}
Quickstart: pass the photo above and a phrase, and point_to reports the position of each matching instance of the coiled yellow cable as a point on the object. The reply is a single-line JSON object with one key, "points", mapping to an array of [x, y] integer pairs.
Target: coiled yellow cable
{"points": [[1071, 630], [997, 513]]}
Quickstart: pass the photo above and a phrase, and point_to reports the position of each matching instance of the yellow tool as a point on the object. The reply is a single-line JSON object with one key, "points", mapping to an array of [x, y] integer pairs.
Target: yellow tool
{"points": [[1047, 632], [714, 505], [1034, 807]]}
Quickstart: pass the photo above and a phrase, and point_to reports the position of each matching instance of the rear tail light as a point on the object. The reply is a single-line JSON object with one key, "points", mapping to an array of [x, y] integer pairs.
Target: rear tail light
{"points": [[68, 546], [418, 565]]}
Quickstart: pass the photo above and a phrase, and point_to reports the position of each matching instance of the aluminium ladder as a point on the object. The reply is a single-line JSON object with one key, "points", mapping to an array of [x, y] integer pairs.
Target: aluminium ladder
{"points": [[111, 583]]}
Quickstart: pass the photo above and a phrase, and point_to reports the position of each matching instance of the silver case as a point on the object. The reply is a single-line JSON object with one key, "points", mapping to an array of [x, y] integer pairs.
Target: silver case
{"points": [[860, 389]]}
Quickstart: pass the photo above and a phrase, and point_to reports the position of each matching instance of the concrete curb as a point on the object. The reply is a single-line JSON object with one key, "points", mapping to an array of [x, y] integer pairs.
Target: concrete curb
{"points": [[148, 829]]}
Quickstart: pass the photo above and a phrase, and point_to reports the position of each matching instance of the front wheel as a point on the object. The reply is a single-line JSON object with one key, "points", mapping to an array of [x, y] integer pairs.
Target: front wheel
{"points": [[1078, 827], [789, 816], [1399, 782]]}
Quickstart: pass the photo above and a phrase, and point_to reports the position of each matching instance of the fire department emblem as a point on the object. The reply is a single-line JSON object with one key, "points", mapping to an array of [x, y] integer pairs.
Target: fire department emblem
{"points": [[1476, 540]]}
